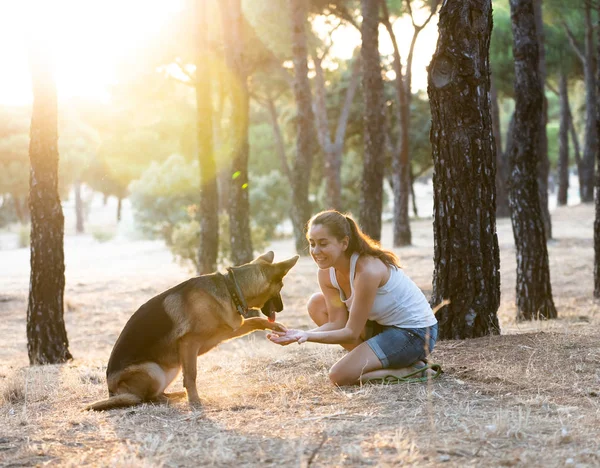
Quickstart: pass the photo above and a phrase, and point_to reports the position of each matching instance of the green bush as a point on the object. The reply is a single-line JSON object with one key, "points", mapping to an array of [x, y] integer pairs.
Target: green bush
{"points": [[101, 234], [186, 237], [270, 201], [24, 235], [162, 194]]}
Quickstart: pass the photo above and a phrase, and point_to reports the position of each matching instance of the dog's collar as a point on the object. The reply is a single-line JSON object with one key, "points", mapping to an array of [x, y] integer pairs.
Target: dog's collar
{"points": [[236, 294]]}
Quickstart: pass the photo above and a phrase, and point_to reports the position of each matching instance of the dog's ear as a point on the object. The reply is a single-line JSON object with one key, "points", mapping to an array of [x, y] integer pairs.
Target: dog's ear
{"points": [[265, 258], [286, 265]]}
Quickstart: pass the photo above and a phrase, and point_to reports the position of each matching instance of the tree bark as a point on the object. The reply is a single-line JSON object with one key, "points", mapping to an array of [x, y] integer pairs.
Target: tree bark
{"points": [[591, 132], [533, 289], [47, 341], [466, 254], [371, 199], [563, 141], [597, 218], [502, 209], [543, 168], [239, 203], [305, 132], [208, 242]]}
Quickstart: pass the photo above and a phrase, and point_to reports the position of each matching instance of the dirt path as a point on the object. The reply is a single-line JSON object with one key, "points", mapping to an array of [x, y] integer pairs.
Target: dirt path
{"points": [[530, 397]]}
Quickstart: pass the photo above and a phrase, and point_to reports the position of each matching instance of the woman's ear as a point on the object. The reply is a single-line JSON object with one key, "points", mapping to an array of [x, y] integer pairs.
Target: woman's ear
{"points": [[345, 242]]}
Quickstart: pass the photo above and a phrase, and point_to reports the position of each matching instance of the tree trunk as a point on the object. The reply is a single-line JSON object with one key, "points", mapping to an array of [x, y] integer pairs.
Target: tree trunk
{"points": [[333, 147], [79, 215], [119, 208], [591, 132], [208, 243], [239, 203], [563, 141], [47, 341], [502, 209], [371, 199], [543, 169], [305, 132], [597, 219], [466, 254], [534, 292], [412, 192]]}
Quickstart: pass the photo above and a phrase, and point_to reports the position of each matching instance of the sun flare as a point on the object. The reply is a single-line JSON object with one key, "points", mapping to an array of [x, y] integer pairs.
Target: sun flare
{"points": [[88, 40]]}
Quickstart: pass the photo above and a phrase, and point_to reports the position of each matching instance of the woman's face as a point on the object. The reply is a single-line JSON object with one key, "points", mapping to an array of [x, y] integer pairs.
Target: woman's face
{"points": [[325, 249]]}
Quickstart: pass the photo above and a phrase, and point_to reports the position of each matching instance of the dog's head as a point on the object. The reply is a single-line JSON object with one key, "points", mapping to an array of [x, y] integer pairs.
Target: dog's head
{"points": [[262, 280]]}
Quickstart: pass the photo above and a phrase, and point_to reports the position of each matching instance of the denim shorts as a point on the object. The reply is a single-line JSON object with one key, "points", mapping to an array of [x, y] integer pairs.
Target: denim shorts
{"points": [[400, 347]]}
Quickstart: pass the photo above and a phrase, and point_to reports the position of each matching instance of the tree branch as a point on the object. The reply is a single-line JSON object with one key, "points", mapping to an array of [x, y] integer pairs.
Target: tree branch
{"points": [[573, 43]]}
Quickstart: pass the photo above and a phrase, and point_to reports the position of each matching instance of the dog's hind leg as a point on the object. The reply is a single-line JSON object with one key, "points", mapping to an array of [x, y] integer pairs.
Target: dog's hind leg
{"points": [[188, 357]]}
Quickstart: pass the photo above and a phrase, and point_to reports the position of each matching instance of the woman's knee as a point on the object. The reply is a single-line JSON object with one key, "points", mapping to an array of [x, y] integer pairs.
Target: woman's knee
{"points": [[317, 308], [340, 377]]}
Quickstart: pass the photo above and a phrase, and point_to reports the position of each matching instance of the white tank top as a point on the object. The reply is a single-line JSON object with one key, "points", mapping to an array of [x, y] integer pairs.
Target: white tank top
{"points": [[399, 302]]}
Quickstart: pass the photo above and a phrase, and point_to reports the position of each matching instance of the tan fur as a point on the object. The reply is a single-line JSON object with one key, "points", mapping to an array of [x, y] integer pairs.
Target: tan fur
{"points": [[167, 334]]}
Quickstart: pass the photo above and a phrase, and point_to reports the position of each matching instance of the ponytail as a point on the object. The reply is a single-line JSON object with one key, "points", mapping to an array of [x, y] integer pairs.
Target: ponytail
{"points": [[363, 244]]}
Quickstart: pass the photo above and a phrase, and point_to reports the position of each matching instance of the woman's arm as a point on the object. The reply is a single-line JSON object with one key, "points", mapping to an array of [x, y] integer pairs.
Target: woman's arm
{"points": [[365, 286]]}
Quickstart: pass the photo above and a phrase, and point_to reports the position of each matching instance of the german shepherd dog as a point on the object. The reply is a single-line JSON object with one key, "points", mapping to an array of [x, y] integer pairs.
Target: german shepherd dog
{"points": [[169, 332]]}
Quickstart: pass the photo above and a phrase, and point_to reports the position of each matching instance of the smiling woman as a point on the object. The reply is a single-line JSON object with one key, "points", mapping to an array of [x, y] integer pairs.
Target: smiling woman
{"points": [[88, 39]]}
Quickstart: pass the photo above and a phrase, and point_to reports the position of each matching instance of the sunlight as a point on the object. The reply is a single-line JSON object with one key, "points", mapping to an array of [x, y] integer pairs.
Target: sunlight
{"points": [[89, 38]]}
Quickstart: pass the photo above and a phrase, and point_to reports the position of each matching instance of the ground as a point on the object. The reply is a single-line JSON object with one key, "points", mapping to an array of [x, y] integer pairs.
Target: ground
{"points": [[530, 397]]}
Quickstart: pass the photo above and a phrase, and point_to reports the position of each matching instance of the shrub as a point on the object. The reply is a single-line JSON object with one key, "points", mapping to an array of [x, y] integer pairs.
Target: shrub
{"points": [[101, 234], [186, 237], [162, 194], [270, 201], [24, 235]]}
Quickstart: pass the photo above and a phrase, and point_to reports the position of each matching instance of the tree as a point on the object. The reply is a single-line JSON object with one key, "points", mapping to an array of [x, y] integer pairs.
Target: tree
{"points": [[208, 210], [466, 254], [333, 145], [502, 66], [597, 218], [305, 135], [239, 205], [543, 162], [534, 292], [371, 202], [401, 158], [563, 142], [586, 55], [47, 341]]}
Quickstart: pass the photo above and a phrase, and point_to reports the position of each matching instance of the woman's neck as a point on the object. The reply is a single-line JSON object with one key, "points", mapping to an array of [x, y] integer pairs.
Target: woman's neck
{"points": [[342, 266]]}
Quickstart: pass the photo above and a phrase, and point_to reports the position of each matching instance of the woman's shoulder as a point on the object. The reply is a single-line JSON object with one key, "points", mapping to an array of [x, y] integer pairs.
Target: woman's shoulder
{"points": [[370, 266], [324, 277]]}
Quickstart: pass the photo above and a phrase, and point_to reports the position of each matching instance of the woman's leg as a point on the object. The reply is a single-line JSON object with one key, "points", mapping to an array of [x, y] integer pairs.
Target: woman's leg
{"points": [[317, 310], [357, 363]]}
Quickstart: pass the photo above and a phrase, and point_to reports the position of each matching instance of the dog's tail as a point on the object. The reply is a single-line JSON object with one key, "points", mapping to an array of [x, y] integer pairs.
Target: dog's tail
{"points": [[122, 400], [445, 302]]}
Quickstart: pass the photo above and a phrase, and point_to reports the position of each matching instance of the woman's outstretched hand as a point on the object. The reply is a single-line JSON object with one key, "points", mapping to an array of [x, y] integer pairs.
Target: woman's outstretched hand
{"points": [[288, 337]]}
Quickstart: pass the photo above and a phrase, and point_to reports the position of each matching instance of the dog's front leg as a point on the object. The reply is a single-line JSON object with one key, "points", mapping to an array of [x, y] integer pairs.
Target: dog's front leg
{"points": [[253, 324], [188, 356]]}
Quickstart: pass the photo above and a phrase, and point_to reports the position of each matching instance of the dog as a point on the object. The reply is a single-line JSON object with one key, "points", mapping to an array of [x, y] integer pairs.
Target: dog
{"points": [[167, 334]]}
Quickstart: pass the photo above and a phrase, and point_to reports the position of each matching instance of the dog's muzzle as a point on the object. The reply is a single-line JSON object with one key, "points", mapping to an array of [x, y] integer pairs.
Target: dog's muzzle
{"points": [[273, 305]]}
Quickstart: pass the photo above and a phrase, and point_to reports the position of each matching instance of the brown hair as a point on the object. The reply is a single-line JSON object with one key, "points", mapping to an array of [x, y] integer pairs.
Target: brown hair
{"points": [[341, 225]]}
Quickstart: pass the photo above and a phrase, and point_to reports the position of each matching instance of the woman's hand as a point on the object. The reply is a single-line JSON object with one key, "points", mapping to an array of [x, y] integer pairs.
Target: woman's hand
{"points": [[288, 337]]}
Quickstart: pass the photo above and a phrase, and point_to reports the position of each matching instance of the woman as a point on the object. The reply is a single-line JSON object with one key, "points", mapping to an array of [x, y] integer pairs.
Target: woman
{"points": [[367, 305]]}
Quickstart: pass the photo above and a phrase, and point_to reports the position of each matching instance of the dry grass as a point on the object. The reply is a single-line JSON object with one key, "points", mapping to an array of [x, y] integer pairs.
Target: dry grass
{"points": [[530, 397]]}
